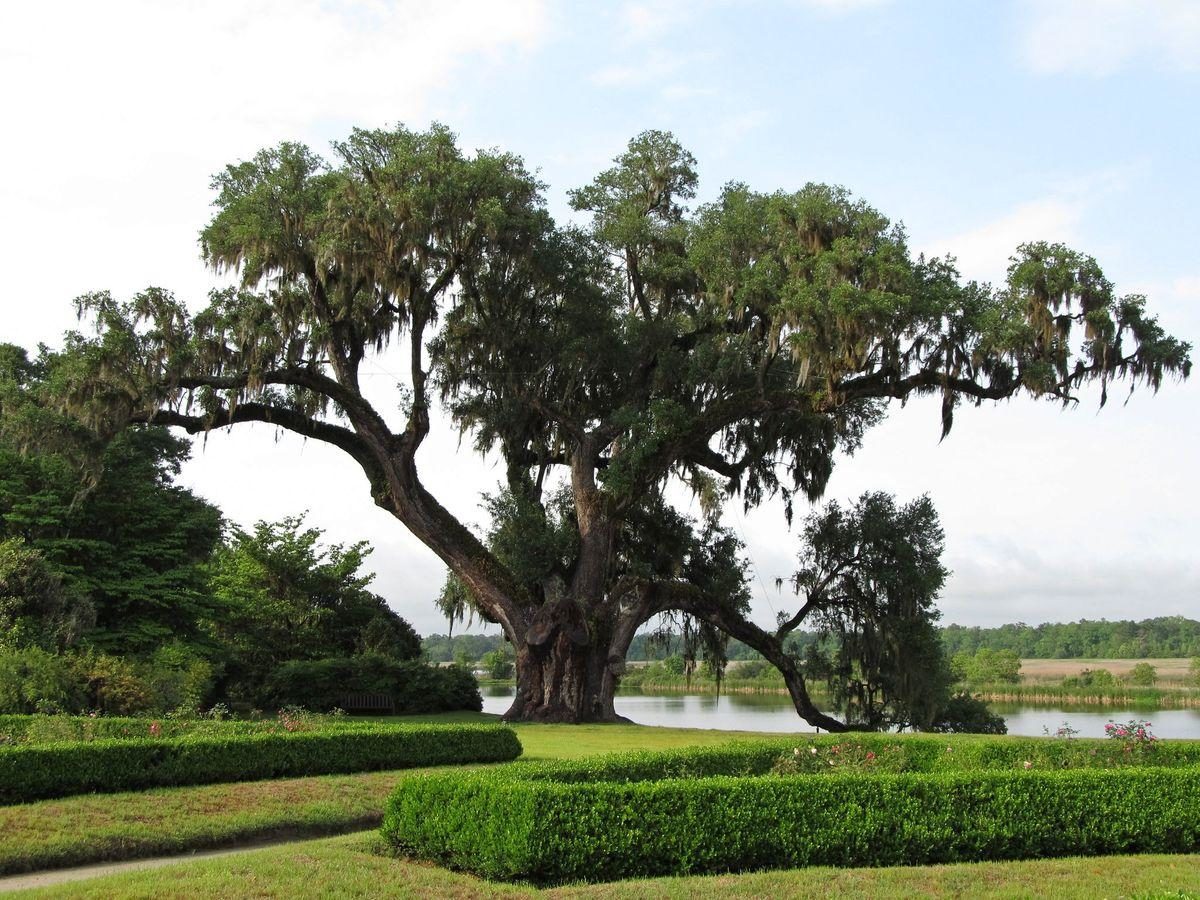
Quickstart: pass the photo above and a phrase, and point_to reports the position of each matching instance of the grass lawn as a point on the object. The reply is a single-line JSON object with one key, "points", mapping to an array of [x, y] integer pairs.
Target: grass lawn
{"points": [[95, 828], [102, 827], [357, 866]]}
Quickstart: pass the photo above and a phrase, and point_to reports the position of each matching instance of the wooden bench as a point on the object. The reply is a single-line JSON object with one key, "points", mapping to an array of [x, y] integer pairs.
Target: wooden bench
{"points": [[369, 703]]}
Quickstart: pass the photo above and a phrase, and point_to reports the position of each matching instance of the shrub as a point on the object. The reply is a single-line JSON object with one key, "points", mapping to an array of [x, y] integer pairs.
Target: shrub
{"points": [[1143, 675], [1091, 678], [55, 770], [34, 680], [682, 813], [498, 664], [413, 686], [964, 714]]}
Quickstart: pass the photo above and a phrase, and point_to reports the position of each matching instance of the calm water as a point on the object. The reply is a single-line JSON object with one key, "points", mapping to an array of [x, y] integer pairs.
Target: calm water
{"points": [[774, 713]]}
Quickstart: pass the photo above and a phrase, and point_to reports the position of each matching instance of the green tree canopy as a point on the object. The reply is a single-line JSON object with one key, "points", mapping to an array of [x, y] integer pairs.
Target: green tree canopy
{"points": [[281, 595], [737, 345], [105, 516]]}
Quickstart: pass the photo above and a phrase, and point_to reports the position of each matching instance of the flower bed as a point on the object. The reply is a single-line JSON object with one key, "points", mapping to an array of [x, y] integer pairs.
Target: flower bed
{"points": [[721, 809]]}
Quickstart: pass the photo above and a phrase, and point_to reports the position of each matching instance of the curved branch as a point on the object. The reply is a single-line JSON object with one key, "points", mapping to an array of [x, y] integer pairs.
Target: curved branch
{"points": [[689, 599], [342, 438]]}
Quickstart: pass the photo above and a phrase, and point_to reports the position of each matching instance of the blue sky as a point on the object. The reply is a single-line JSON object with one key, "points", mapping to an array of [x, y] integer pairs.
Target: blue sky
{"points": [[977, 124]]}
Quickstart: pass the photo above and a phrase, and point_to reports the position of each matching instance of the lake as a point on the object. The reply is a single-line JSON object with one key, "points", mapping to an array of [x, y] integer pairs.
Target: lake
{"points": [[774, 713]]}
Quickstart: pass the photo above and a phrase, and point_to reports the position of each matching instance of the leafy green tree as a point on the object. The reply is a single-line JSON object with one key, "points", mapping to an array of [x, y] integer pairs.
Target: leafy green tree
{"points": [[987, 666], [105, 516], [738, 346], [1143, 675], [282, 595], [868, 580], [499, 664], [36, 610]]}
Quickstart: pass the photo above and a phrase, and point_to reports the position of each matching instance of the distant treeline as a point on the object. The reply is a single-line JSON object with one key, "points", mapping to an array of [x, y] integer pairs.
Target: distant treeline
{"points": [[645, 647], [1168, 636]]}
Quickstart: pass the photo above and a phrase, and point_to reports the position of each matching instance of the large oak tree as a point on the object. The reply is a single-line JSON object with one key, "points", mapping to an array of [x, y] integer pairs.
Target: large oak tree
{"points": [[737, 346]]}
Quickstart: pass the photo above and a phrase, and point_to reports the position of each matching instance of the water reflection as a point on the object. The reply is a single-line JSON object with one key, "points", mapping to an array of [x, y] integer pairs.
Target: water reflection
{"points": [[774, 713]]}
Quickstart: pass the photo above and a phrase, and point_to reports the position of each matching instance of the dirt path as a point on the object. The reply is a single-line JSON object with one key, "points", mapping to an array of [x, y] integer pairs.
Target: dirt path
{"points": [[52, 877]]}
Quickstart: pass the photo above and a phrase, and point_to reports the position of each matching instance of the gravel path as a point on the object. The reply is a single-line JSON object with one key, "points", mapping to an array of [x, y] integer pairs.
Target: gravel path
{"points": [[52, 877]]}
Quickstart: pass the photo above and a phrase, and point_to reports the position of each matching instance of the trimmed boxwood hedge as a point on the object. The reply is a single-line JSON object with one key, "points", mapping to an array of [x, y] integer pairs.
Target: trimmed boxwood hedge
{"points": [[713, 810], [54, 770]]}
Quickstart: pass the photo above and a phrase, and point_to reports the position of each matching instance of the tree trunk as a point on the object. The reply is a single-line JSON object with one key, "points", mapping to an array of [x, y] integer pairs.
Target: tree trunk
{"points": [[563, 681], [568, 667]]}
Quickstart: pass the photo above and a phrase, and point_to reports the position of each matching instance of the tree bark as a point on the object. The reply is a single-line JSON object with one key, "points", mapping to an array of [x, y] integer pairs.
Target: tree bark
{"points": [[565, 676]]}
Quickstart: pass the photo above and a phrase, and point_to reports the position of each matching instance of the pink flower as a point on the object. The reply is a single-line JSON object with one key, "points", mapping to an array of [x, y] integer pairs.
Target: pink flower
{"points": [[1028, 764]]}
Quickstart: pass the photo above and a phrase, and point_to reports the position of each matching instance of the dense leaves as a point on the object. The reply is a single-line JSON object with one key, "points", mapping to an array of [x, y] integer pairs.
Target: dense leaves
{"points": [[283, 596]]}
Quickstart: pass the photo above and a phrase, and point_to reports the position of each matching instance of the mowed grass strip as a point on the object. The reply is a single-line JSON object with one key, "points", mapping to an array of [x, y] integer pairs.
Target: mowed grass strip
{"points": [[109, 827], [357, 866]]}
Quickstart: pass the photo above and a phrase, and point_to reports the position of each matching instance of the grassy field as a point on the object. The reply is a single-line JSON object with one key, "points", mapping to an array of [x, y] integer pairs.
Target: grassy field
{"points": [[358, 866], [1170, 670], [127, 826]]}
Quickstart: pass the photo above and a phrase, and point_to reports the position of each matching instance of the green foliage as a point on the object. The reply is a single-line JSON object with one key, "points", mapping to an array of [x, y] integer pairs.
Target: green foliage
{"points": [[283, 596], [499, 664], [56, 770], [1168, 636], [35, 608], [413, 686], [1194, 671], [1101, 679], [129, 549], [35, 680], [683, 813], [445, 648], [964, 714], [987, 666], [1143, 675], [674, 665], [869, 577]]}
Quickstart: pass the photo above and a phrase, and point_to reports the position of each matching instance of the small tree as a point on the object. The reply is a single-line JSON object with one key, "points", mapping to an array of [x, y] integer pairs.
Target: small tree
{"points": [[1143, 675], [498, 664], [1194, 671], [869, 577]]}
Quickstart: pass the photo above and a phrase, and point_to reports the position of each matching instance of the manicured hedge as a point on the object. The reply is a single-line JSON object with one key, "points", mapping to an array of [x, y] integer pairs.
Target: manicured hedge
{"points": [[54, 770], [713, 811]]}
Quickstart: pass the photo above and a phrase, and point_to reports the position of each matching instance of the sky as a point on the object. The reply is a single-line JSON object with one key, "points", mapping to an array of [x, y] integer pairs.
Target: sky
{"points": [[978, 124]]}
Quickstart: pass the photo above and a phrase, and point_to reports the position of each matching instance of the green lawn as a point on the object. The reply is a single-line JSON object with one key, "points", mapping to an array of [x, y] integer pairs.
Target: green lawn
{"points": [[125, 826], [357, 866], [101, 827]]}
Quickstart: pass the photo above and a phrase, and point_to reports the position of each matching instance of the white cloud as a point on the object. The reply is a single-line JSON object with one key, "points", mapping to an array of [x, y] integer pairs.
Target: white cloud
{"points": [[641, 72], [649, 20], [1098, 37], [118, 113], [983, 252]]}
